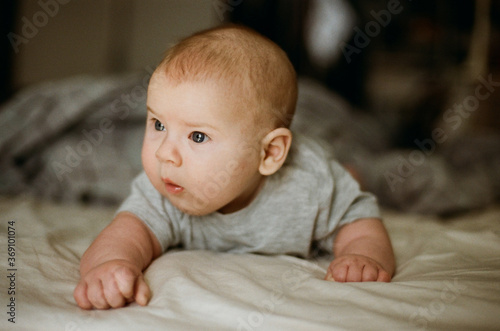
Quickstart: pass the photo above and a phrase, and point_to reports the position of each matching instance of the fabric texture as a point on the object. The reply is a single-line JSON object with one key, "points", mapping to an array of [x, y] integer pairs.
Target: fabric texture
{"points": [[446, 279], [297, 211], [61, 140]]}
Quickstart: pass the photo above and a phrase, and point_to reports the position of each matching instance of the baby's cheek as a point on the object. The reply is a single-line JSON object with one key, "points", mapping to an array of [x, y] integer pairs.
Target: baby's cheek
{"points": [[148, 154]]}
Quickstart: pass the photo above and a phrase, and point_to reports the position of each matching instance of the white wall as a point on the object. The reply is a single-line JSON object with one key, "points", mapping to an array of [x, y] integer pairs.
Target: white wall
{"points": [[60, 38]]}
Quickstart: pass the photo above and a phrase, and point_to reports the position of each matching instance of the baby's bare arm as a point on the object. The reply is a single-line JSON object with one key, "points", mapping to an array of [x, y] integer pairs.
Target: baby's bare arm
{"points": [[363, 252], [111, 268]]}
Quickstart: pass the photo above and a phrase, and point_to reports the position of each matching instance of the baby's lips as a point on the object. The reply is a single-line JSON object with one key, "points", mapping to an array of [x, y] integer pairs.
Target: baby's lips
{"points": [[171, 187]]}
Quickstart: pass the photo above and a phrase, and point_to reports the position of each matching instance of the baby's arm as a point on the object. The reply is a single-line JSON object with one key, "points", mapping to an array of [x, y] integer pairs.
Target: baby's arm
{"points": [[363, 252], [111, 268]]}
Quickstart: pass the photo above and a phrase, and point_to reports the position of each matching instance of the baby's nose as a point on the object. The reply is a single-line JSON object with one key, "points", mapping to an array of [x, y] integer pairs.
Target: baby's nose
{"points": [[168, 152]]}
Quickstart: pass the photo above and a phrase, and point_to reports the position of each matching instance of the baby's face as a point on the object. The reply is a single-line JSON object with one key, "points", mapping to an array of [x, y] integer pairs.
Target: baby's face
{"points": [[201, 148]]}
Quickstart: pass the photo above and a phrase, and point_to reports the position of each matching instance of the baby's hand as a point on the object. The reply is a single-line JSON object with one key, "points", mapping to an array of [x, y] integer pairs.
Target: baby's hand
{"points": [[112, 284], [356, 268]]}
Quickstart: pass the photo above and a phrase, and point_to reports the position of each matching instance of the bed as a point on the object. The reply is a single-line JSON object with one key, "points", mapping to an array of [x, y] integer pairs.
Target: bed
{"points": [[56, 196], [447, 278]]}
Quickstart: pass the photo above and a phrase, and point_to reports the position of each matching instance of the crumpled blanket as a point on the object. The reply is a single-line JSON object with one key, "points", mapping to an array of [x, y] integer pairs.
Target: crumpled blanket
{"points": [[79, 139], [432, 178], [73, 140]]}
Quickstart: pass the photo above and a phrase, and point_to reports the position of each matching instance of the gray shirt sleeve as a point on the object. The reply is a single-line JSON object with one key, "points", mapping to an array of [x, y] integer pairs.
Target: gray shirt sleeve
{"points": [[148, 205], [348, 204]]}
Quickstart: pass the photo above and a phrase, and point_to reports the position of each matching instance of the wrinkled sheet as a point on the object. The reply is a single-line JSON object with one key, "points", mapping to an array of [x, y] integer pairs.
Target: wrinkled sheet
{"points": [[447, 277]]}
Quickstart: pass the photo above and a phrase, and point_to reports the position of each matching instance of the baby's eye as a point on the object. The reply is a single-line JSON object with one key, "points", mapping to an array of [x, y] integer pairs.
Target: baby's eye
{"points": [[159, 126], [199, 137]]}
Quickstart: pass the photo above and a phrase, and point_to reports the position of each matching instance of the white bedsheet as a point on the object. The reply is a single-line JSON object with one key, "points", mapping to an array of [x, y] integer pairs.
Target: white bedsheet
{"points": [[448, 277]]}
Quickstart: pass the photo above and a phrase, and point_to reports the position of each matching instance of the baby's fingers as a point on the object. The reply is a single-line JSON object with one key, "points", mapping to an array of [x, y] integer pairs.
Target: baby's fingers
{"points": [[125, 281], [132, 286], [143, 293], [383, 276], [356, 268], [80, 295], [95, 294], [337, 273], [113, 295], [369, 274]]}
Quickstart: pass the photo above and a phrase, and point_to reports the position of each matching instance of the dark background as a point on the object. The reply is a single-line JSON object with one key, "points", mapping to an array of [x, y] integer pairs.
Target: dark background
{"points": [[407, 76], [426, 44]]}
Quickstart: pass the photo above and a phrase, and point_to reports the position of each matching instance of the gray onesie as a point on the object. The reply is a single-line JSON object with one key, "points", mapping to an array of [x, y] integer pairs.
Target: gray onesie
{"points": [[297, 211]]}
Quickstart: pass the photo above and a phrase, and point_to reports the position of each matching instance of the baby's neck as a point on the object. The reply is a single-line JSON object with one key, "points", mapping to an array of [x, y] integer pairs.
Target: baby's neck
{"points": [[245, 199]]}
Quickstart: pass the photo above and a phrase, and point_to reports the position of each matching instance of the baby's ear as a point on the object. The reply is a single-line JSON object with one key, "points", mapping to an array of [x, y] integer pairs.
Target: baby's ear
{"points": [[275, 147]]}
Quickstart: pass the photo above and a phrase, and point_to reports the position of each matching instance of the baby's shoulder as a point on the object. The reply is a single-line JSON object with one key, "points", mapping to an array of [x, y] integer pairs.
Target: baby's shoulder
{"points": [[310, 154], [308, 167]]}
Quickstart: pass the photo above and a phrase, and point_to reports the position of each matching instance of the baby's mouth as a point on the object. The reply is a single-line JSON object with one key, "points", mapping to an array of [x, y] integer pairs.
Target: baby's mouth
{"points": [[171, 187]]}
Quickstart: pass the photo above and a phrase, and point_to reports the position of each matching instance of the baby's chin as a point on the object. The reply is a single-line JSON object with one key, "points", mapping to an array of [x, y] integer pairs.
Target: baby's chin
{"points": [[194, 207]]}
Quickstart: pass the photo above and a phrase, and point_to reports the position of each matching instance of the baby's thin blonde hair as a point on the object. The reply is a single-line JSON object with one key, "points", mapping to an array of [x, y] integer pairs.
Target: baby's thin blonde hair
{"points": [[257, 68]]}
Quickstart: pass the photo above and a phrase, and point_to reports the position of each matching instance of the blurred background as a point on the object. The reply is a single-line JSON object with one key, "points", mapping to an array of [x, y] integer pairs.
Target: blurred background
{"points": [[406, 63], [405, 69]]}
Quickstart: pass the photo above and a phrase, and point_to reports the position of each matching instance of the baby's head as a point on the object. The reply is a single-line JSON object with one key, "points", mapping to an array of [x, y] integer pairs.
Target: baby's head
{"points": [[219, 107], [243, 62]]}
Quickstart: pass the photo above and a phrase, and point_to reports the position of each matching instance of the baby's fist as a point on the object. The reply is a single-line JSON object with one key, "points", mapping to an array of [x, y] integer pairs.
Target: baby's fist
{"points": [[356, 268], [112, 284]]}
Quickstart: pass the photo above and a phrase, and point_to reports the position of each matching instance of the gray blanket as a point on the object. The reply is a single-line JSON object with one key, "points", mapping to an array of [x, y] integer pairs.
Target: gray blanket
{"points": [[79, 139]]}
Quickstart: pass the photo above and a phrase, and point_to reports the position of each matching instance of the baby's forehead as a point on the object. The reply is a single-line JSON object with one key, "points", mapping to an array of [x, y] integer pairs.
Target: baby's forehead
{"points": [[234, 98], [225, 88], [158, 80]]}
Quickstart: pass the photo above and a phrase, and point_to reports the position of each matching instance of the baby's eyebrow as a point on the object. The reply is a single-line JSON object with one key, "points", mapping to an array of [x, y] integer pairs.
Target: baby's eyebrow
{"points": [[200, 125], [151, 110], [189, 124]]}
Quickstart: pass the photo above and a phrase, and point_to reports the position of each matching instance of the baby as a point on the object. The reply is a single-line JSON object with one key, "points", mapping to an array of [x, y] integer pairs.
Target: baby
{"points": [[221, 173]]}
